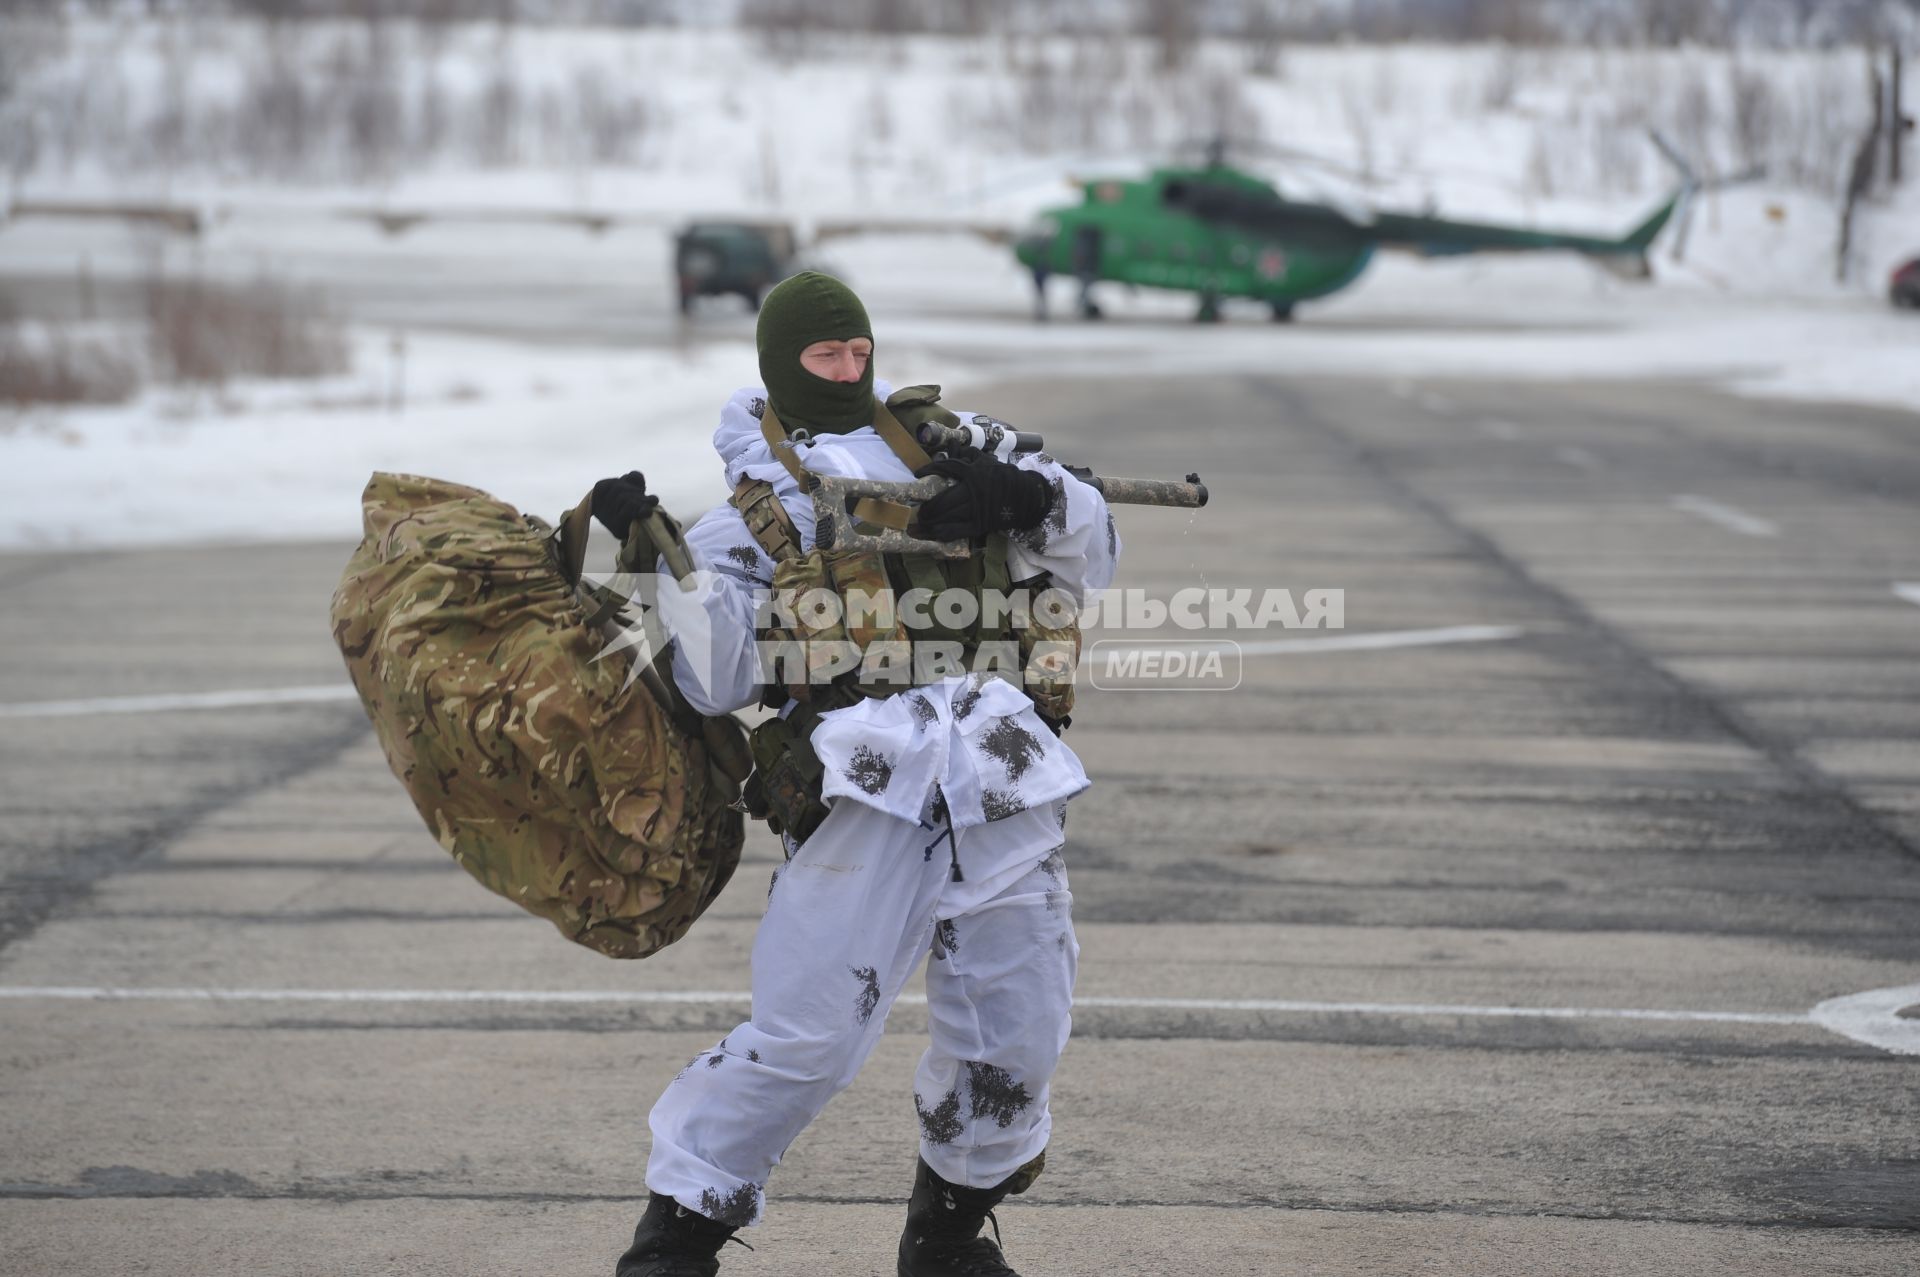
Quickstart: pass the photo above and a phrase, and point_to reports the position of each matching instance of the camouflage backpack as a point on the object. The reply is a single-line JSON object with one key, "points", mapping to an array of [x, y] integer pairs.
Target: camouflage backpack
{"points": [[606, 809]]}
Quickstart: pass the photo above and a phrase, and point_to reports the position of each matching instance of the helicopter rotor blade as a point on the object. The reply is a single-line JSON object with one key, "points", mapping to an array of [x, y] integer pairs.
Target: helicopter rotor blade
{"points": [[1673, 156], [1693, 185], [1050, 173], [1757, 173], [1222, 145]]}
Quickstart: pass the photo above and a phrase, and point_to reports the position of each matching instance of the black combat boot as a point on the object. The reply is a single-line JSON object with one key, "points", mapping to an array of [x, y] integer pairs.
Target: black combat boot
{"points": [[942, 1238], [673, 1241]]}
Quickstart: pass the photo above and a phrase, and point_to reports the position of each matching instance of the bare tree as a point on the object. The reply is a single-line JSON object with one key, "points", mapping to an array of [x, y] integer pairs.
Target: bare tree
{"points": [[372, 99], [1170, 25], [1262, 34]]}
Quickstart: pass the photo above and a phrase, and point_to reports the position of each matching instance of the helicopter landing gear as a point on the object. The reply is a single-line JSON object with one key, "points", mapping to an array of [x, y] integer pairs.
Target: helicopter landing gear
{"points": [[1209, 312], [1282, 312], [1040, 274]]}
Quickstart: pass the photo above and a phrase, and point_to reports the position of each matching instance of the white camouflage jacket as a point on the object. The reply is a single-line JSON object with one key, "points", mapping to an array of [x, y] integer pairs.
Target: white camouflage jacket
{"points": [[974, 736]]}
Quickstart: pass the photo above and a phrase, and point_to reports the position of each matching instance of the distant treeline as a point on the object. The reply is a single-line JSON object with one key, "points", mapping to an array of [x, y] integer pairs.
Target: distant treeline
{"points": [[1660, 23]]}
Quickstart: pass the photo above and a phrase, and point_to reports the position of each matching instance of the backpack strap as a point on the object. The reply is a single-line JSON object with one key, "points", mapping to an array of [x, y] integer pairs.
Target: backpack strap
{"points": [[904, 445], [569, 540], [886, 514], [780, 444]]}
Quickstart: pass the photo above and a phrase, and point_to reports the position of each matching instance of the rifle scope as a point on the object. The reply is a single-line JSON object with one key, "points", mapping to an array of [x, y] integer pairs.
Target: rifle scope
{"points": [[999, 439]]}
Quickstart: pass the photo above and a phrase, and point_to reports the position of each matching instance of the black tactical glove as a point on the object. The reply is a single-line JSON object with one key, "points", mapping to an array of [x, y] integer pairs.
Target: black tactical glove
{"points": [[618, 502], [988, 495]]}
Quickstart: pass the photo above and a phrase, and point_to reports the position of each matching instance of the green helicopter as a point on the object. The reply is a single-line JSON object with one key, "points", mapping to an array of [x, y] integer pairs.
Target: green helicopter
{"points": [[1219, 232]]}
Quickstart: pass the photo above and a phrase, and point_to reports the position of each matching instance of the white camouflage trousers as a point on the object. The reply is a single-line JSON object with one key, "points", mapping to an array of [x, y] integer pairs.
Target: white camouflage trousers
{"points": [[848, 920]]}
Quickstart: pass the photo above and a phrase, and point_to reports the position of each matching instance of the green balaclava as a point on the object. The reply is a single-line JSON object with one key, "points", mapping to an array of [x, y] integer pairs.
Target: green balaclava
{"points": [[801, 310]]}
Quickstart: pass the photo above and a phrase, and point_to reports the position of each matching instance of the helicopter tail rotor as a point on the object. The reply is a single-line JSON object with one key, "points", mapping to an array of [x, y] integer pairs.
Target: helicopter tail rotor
{"points": [[1691, 185]]}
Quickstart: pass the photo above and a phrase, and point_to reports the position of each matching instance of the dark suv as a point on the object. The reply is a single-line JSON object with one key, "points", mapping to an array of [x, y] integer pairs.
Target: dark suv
{"points": [[1904, 288], [714, 258]]}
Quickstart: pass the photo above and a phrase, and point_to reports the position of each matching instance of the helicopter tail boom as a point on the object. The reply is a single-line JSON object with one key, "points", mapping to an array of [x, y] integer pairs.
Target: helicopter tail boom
{"points": [[1640, 238]]}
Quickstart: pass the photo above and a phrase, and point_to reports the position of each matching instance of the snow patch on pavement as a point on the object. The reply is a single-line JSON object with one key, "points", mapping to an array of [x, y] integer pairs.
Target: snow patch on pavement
{"points": [[266, 462]]}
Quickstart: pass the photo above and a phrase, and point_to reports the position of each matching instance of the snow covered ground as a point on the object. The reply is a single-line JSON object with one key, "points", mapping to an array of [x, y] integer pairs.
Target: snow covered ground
{"points": [[287, 462], [540, 357]]}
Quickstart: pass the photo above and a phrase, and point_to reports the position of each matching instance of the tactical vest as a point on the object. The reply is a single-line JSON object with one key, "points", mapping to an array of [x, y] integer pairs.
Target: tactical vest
{"points": [[786, 788]]}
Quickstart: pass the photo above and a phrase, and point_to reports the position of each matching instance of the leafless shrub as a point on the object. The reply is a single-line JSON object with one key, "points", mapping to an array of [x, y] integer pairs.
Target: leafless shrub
{"points": [[789, 30], [1673, 22], [792, 29], [764, 177], [50, 365], [1540, 179], [365, 83], [1619, 159], [1751, 104], [1213, 104], [609, 120], [21, 144], [1510, 22], [1502, 80], [169, 128], [1360, 129], [1818, 130], [496, 117], [1798, 121], [1691, 118], [434, 22], [1640, 91], [1102, 94], [1401, 21], [1264, 38], [1079, 104], [278, 122], [207, 333], [432, 118], [879, 113], [1386, 83], [1170, 26], [32, 40]]}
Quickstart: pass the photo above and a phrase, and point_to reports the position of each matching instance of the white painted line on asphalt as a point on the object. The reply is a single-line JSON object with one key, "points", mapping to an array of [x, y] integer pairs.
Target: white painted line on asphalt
{"points": [[1505, 431], [1908, 590], [183, 700], [1443, 1009], [1376, 642], [557, 997], [1726, 516], [1874, 1017], [665, 997], [1578, 458]]}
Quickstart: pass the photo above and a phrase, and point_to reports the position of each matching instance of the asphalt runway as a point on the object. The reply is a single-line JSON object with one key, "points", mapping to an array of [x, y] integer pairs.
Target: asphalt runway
{"points": [[1493, 952]]}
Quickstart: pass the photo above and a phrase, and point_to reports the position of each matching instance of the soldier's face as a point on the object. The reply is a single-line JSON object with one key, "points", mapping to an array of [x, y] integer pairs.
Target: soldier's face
{"points": [[838, 360]]}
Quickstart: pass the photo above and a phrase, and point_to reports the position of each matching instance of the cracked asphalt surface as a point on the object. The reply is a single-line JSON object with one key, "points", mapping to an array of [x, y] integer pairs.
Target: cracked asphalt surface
{"points": [[1689, 783]]}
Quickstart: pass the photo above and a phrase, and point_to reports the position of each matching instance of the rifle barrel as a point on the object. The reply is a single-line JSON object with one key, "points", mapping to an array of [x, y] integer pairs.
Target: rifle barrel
{"points": [[1188, 494]]}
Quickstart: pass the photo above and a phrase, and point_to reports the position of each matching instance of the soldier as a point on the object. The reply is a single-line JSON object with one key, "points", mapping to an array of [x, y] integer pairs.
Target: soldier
{"points": [[917, 819]]}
